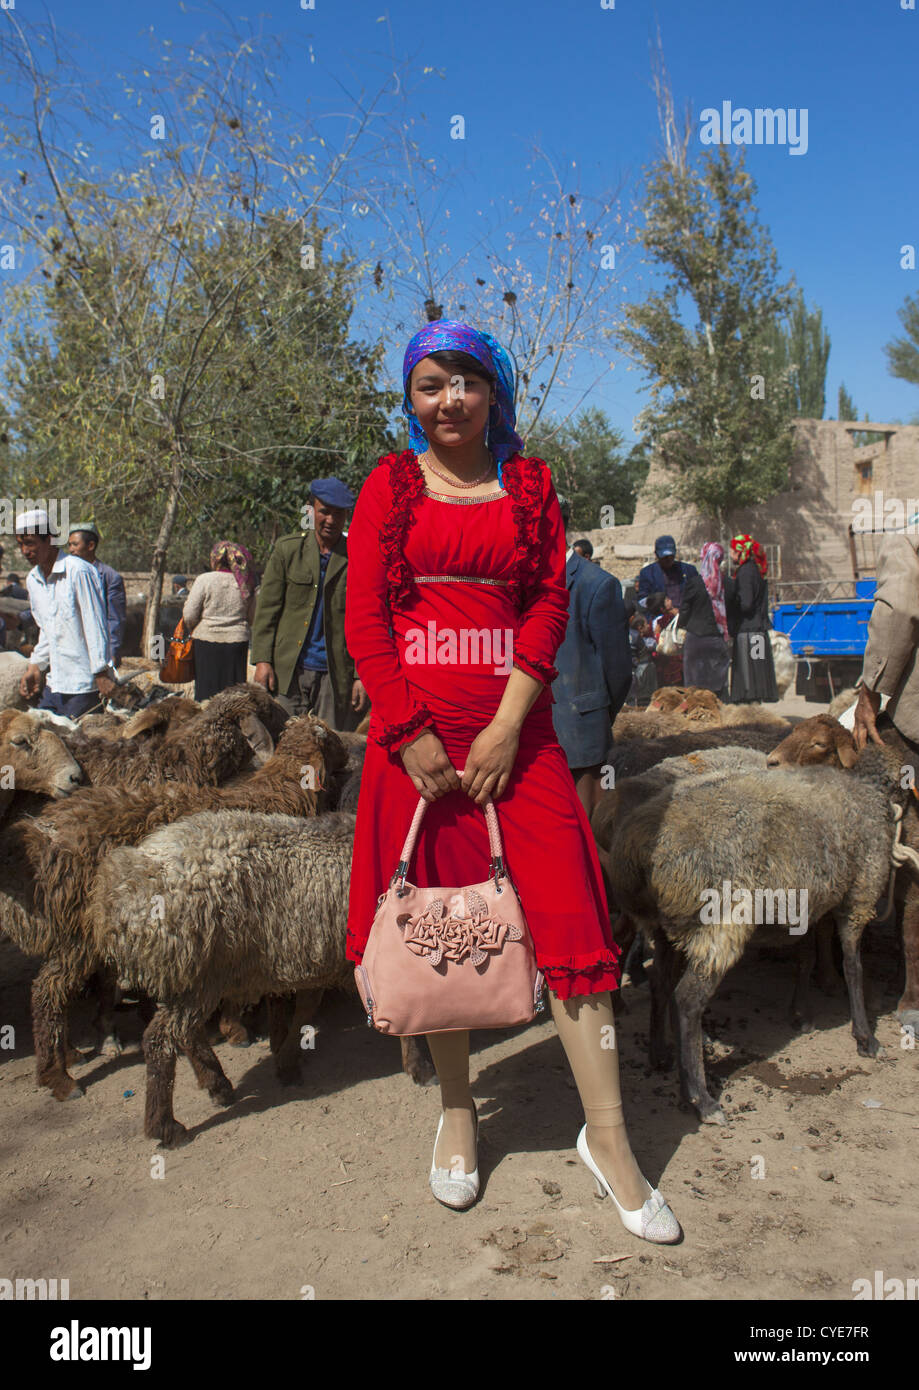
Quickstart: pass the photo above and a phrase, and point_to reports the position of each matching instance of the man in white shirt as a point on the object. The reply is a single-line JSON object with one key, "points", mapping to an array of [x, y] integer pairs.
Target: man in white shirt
{"points": [[68, 605]]}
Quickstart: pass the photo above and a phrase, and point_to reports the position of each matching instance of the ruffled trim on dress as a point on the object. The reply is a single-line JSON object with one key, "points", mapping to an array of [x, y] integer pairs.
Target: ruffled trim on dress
{"points": [[540, 670], [406, 482], [394, 735], [523, 483], [592, 973], [523, 480]]}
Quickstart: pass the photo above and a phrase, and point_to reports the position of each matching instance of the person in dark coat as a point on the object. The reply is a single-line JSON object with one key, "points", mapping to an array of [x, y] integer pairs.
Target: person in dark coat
{"points": [[298, 633], [14, 589], [594, 666], [666, 574], [706, 653], [747, 594]]}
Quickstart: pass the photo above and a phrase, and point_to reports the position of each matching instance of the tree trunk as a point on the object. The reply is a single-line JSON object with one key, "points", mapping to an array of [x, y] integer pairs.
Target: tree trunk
{"points": [[158, 566]]}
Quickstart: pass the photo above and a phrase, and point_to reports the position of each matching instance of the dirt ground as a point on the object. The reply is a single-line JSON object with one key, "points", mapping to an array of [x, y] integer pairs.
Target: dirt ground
{"points": [[321, 1190]]}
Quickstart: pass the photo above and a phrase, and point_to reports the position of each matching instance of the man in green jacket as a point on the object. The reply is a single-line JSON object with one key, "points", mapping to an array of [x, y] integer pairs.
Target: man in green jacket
{"points": [[298, 634]]}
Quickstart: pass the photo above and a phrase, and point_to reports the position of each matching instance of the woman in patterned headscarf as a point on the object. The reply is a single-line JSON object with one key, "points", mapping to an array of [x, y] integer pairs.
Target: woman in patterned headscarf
{"points": [[706, 654], [219, 610], [460, 534], [747, 595]]}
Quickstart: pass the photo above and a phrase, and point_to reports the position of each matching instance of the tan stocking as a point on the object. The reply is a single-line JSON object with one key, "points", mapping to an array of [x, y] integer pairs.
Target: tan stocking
{"points": [[586, 1026], [450, 1054]]}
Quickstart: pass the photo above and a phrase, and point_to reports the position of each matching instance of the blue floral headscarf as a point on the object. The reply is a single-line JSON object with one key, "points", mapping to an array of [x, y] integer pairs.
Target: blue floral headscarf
{"points": [[446, 335]]}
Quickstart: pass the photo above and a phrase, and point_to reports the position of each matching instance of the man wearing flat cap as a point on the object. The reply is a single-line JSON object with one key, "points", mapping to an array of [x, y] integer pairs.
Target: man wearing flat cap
{"points": [[298, 633], [83, 540], [666, 574], [67, 603]]}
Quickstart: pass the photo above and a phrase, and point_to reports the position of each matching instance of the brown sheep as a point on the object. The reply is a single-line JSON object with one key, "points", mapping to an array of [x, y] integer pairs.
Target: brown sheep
{"points": [[51, 861], [159, 718], [667, 698], [631, 759], [285, 882], [822, 740], [663, 871], [33, 758], [219, 741]]}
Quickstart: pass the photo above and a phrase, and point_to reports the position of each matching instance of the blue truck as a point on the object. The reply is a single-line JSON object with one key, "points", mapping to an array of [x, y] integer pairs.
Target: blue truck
{"points": [[828, 632]]}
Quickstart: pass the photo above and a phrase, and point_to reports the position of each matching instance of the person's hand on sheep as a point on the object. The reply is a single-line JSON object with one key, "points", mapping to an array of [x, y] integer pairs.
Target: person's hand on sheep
{"points": [[866, 713]]}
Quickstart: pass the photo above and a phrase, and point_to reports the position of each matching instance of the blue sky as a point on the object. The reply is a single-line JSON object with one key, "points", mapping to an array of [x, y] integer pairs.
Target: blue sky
{"points": [[576, 78]]}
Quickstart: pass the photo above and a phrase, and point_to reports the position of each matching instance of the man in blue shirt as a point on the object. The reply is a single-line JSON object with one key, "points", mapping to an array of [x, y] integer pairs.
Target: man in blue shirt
{"points": [[665, 575], [84, 541]]}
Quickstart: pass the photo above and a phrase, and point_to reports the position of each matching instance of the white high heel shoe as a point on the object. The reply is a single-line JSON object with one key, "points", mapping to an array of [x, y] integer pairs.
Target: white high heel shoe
{"points": [[454, 1187], [654, 1221]]}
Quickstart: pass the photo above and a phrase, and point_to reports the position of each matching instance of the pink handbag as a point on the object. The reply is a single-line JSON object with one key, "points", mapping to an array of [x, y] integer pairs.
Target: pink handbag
{"points": [[442, 959]]}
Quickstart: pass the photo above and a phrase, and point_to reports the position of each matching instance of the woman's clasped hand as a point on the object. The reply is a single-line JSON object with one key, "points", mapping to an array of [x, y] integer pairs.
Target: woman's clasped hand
{"points": [[489, 764]]}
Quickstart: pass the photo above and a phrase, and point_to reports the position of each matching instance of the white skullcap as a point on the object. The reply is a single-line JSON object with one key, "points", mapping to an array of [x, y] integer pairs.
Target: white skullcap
{"points": [[34, 522]]}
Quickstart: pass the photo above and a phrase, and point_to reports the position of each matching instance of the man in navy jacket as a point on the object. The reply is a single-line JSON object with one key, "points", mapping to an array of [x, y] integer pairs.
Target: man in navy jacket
{"points": [[666, 574], [594, 670]]}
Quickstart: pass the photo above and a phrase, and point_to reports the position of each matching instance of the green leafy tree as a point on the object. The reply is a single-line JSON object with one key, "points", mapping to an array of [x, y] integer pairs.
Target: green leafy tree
{"points": [[903, 353], [179, 349], [801, 350], [845, 406], [721, 401], [588, 466]]}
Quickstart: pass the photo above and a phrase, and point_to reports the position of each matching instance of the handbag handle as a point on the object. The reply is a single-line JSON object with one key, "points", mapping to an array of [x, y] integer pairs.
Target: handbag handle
{"points": [[494, 841]]}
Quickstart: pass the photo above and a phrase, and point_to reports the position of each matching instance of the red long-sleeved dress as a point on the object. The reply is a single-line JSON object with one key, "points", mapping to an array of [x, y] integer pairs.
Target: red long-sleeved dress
{"points": [[433, 646]]}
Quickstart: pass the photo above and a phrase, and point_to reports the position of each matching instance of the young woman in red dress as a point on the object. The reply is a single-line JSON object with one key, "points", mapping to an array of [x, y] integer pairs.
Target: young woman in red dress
{"points": [[461, 532]]}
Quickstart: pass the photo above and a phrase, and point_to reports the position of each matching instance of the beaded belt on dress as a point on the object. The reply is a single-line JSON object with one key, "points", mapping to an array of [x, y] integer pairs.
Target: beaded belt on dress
{"points": [[456, 579]]}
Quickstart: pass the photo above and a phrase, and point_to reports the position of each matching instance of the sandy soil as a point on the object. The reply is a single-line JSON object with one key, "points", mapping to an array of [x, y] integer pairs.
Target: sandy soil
{"points": [[323, 1187]]}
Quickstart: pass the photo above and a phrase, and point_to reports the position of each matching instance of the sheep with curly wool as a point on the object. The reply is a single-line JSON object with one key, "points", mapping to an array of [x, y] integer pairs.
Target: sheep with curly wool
{"points": [[221, 740], [616, 801], [12, 668], [50, 861], [223, 905], [814, 831], [635, 757]]}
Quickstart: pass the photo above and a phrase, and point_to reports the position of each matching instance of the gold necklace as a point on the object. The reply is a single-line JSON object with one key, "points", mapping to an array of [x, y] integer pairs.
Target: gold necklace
{"points": [[455, 482]]}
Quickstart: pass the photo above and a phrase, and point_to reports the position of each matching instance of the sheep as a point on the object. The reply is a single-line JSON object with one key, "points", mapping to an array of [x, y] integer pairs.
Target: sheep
{"points": [[841, 702], [635, 757], [228, 905], [645, 723], [822, 740], [631, 791], [33, 758], [667, 697], [662, 870], [732, 715], [159, 718], [699, 706], [12, 669], [615, 802], [348, 780], [783, 660], [218, 742], [106, 724], [52, 859]]}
